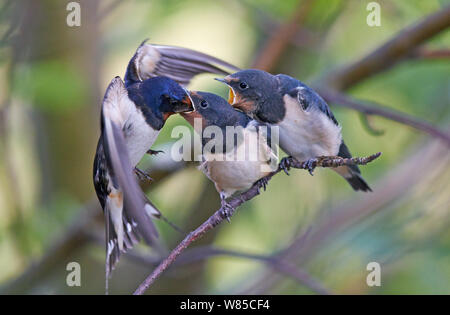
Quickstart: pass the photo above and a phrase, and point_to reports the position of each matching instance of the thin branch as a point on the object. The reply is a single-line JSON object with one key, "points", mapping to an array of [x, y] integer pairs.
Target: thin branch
{"points": [[266, 23], [275, 261], [428, 53], [279, 40], [76, 236], [235, 202], [369, 109], [391, 52], [395, 185]]}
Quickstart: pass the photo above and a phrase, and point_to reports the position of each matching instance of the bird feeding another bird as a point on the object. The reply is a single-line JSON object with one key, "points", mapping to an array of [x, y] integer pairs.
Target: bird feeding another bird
{"points": [[260, 105]]}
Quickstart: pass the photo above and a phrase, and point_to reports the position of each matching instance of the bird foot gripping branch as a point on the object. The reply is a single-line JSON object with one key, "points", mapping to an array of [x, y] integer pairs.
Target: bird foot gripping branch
{"points": [[143, 176], [228, 208], [288, 162]]}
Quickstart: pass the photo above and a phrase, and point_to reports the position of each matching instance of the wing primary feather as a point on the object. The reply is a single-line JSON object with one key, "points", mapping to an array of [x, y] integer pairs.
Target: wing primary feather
{"points": [[122, 177], [194, 55], [178, 63], [118, 159]]}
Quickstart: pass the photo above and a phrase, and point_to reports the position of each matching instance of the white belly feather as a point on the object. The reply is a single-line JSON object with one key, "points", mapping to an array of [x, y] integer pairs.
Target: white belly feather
{"points": [[230, 174], [307, 134], [139, 136]]}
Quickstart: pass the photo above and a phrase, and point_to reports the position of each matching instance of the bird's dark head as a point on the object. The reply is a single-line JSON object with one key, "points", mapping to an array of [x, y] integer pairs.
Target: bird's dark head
{"points": [[213, 110], [173, 98], [249, 89]]}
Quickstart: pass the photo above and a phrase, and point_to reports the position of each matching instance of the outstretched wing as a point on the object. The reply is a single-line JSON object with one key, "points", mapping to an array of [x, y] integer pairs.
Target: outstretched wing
{"points": [[118, 161], [179, 64]]}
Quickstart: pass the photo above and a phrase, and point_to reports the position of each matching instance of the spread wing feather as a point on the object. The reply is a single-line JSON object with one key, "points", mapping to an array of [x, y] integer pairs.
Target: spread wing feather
{"points": [[178, 63], [119, 164]]}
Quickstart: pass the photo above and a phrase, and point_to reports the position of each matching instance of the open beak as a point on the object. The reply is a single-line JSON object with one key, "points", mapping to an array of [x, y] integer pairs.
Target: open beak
{"points": [[186, 105], [231, 94]]}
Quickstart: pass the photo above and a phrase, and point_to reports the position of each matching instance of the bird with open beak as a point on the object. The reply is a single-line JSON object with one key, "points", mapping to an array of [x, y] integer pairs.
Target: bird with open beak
{"points": [[133, 113], [307, 127], [239, 154]]}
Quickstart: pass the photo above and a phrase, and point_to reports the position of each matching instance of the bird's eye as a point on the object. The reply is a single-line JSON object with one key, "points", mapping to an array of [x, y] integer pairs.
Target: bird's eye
{"points": [[243, 85], [203, 104]]}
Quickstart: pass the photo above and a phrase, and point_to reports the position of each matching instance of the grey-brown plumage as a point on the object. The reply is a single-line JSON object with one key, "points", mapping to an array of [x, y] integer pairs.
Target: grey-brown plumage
{"points": [[308, 128]]}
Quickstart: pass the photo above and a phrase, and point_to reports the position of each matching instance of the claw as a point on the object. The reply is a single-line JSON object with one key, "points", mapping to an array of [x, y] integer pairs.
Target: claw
{"points": [[311, 165], [226, 210], [285, 165], [262, 183], [153, 152], [142, 175]]}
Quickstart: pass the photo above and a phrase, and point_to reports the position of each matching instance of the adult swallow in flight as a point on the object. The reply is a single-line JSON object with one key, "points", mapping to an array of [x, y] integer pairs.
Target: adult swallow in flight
{"points": [[307, 127], [133, 113], [229, 163]]}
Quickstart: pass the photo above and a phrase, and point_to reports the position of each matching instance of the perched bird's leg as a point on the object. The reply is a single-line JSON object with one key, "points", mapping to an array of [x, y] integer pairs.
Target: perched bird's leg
{"points": [[285, 165], [226, 209], [262, 183], [142, 175], [154, 152], [310, 165]]}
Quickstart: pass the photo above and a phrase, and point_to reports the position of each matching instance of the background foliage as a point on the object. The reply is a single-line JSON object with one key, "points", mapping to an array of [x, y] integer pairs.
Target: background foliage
{"points": [[52, 79]]}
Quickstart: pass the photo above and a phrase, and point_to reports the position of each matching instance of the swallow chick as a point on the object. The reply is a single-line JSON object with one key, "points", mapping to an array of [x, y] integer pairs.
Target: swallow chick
{"points": [[307, 127], [239, 154]]}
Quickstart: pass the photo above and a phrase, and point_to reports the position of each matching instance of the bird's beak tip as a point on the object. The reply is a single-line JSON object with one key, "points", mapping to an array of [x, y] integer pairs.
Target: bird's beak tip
{"points": [[221, 80]]}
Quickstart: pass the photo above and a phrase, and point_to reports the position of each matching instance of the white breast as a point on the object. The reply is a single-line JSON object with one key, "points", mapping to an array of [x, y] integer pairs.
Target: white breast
{"points": [[231, 174], [307, 134], [139, 136]]}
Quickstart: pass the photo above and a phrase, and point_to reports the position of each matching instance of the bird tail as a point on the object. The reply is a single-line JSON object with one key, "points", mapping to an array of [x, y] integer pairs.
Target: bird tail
{"points": [[115, 244], [351, 173], [357, 182], [122, 238]]}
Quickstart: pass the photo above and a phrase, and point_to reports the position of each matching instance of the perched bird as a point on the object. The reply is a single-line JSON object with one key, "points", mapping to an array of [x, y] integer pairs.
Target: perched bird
{"points": [[133, 113], [307, 127], [230, 162]]}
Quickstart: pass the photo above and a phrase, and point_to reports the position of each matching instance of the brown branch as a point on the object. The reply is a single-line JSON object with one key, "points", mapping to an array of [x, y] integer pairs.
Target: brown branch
{"points": [[391, 52], [279, 40], [428, 53], [390, 188], [77, 235], [235, 202], [266, 23], [369, 108], [203, 252]]}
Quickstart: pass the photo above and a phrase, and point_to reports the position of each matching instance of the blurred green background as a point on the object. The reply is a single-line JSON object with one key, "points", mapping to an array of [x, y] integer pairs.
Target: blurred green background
{"points": [[52, 80]]}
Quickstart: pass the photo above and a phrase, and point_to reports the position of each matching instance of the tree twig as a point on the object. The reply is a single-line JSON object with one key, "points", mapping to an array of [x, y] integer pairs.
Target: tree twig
{"points": [[395, 49], [235, 202], [428, 53], [369, 109], [279, 40], [395, 185], [201, 253]]}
